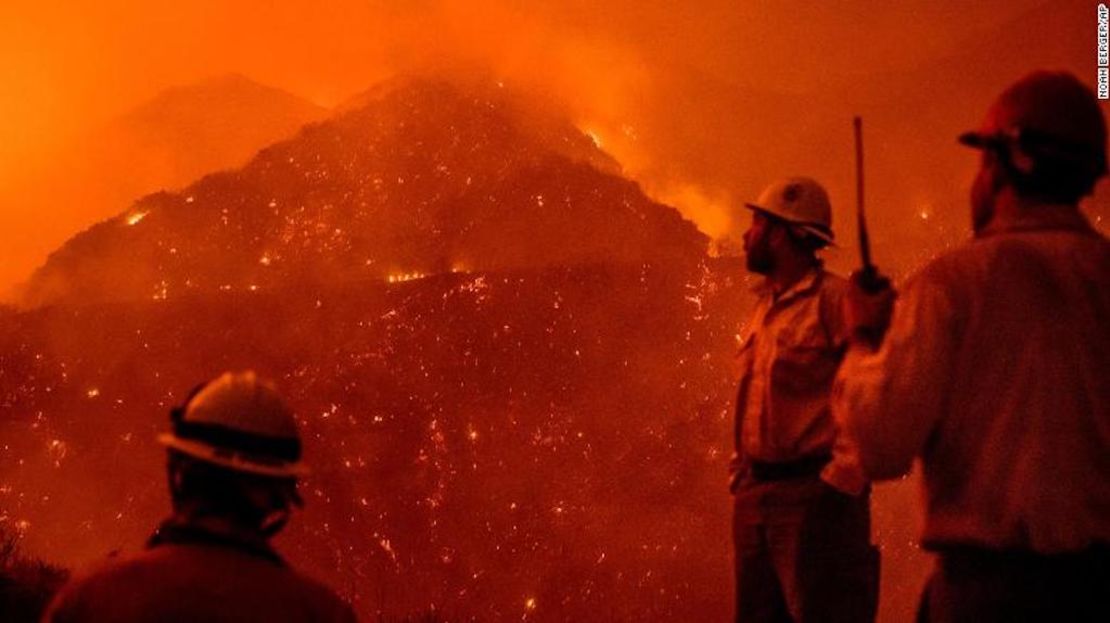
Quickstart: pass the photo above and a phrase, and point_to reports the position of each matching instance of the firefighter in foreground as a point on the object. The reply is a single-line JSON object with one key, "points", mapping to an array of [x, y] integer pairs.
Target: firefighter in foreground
{"points": [[233, 462], [995, 370], [801, 525]]}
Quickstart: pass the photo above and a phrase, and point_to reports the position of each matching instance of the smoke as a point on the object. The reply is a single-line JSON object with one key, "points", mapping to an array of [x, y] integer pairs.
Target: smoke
{"points": [[702, 103]]}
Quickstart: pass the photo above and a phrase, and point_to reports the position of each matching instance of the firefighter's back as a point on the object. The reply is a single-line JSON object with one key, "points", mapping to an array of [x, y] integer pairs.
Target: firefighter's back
{"points": [[197, 582]]}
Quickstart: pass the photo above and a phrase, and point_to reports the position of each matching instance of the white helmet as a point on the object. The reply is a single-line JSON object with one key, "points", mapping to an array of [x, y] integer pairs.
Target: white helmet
{"points": [[799, 201], [239, 422]]}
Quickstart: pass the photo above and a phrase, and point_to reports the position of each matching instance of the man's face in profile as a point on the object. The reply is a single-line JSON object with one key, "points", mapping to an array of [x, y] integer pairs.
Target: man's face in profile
{"points": [[757, 244]]}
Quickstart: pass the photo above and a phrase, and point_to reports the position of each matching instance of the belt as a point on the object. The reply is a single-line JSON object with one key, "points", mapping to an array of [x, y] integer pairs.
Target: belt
{"points": [[786, 470], [975, 556]]}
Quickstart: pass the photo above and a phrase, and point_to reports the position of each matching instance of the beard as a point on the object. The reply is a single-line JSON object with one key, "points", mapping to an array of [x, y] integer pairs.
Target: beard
{"points": [[760, 260]]}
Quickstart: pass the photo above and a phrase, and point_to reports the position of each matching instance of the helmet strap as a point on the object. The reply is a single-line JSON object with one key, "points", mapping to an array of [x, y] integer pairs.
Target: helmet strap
{"points": [[274, 522]]}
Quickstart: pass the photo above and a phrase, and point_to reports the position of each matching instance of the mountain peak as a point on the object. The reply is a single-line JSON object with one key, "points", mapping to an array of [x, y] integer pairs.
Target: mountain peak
{"points": [[425, 176]]}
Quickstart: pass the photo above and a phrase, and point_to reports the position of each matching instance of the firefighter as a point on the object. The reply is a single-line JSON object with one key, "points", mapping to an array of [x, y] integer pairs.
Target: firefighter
{"points": [[801, 522], [995, 371], [234, 457]]}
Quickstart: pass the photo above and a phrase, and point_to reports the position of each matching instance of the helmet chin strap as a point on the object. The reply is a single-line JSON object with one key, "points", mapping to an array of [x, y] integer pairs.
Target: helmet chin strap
{"points": [[1018, 157], [274, 522]]}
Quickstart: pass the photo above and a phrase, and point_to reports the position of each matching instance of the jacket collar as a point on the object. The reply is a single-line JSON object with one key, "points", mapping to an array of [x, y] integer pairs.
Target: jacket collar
{"points": [[178, 530], [808, 283], [1047, 217]]}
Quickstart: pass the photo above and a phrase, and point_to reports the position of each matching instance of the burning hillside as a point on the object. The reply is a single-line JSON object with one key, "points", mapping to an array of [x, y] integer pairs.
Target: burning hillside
{"points": [[511, 366], [418, 178], [478, 441]]}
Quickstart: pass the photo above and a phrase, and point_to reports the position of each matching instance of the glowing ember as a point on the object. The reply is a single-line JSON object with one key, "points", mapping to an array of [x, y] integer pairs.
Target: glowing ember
{"points": [[134, 218], [57, 450], [388, 547], [402, 277]]}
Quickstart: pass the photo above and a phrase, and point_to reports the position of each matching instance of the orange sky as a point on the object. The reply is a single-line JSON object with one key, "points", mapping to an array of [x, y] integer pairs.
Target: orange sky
{"points": [[665, 84], [67, 68]]}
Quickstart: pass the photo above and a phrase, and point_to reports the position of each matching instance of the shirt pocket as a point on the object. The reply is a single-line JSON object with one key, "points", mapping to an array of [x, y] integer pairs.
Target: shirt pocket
{"points": [[804, 361]]}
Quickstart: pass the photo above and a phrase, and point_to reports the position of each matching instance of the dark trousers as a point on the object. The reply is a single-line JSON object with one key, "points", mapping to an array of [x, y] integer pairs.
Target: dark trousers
{"points": [[981, 586], [803, 553]]}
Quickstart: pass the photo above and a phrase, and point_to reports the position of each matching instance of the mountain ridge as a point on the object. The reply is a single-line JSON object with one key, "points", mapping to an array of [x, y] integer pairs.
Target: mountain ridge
{"points": [[427, 178]]}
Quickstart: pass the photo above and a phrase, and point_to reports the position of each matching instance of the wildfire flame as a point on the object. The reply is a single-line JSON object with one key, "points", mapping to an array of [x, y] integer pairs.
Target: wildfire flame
{"points": [[402, 277]]}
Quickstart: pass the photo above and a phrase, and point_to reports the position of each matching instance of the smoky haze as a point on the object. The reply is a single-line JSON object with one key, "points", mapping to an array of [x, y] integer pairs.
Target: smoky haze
{"points": [[702, 103]]}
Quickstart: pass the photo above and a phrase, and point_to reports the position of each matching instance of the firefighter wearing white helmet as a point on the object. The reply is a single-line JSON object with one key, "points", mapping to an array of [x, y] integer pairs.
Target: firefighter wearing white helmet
{"points": [[234, 456], [801, 202], [801, 526], [993, 373], [238, 422]]}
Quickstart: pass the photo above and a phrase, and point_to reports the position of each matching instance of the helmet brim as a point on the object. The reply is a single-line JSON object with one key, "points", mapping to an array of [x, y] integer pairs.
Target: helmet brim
{"points": [[978, 140], [231, 459], [816, 231]]}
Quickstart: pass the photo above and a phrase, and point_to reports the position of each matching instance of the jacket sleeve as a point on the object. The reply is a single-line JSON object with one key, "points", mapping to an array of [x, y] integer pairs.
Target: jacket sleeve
{"points": [[833, 322], [888, 401]]}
